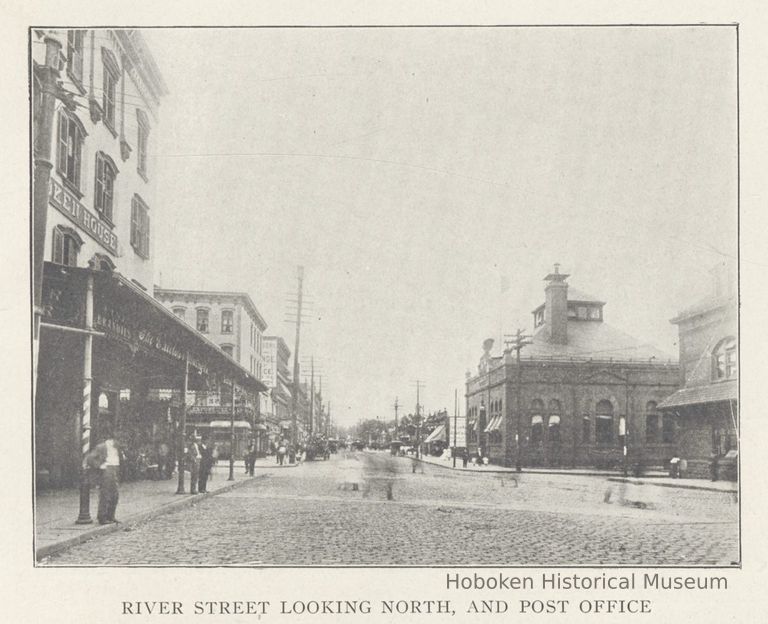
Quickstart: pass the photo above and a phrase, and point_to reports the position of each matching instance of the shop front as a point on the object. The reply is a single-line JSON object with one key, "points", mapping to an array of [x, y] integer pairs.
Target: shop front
{"points": [[106, 348]]}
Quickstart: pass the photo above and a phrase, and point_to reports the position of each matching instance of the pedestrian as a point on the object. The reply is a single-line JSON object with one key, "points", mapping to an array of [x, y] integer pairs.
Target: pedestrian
{"points": [[163, 460], [105, 458], [206, 465], [250, 458], [193, 461], [464, 458], [281, 454]]}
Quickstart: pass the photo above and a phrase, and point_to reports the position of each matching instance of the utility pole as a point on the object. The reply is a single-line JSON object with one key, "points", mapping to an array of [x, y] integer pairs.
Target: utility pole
{"points": [[516, 343], [455, 422], [312, 398], [296, 384], [232, 436], [419, 384], [396, 406]]}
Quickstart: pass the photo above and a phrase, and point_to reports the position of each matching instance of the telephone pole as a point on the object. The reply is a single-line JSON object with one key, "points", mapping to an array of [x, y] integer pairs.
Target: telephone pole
{"points": [[312, 399], [396, 406], [296, 383], [516, 343], [419, 385]]}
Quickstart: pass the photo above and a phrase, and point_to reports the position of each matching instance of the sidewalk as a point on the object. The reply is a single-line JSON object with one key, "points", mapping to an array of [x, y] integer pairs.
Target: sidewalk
{"points": [[652, 477], [56, 510]]}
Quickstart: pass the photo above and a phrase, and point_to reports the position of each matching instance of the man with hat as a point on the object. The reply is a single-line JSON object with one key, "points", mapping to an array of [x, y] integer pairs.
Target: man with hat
{"points": [[194, 456]]}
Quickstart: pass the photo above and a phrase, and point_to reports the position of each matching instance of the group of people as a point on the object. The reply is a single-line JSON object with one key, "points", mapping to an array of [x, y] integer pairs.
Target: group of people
{"points": [[201, 457]]}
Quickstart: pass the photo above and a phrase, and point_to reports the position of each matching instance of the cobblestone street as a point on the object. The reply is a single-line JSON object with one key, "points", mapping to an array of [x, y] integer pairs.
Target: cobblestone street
{"points": [[374, 509]]}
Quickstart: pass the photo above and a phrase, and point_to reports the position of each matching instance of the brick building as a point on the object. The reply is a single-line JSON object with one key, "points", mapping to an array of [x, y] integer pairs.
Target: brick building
{"points": [[706, 407], [585, 389]]}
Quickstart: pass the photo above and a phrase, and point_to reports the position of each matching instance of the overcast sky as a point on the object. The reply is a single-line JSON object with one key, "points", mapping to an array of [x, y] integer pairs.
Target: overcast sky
{"points": [[408, 170]]}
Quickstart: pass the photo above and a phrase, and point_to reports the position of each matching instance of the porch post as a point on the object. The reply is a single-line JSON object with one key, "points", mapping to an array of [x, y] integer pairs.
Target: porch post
{"points": [[84, 517], [182, 425]]}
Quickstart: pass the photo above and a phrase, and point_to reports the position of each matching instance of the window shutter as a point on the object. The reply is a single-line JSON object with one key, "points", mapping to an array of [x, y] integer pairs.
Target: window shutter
{"points": [[134, 222], [57, 246], [62, 144]]}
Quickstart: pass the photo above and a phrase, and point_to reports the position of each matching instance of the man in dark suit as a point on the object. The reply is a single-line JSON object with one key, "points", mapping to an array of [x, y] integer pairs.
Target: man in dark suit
{"points": [[206, 465]]}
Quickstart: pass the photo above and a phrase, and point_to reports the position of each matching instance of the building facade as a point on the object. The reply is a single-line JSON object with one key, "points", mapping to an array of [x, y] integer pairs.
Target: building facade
{"points": [[230, 319], [706, 407], [276, 356], [581, 394], [101, 195]]}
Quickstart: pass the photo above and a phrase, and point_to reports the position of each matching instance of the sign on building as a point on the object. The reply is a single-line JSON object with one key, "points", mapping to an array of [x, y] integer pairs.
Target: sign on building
{"points": [[269, 363]]}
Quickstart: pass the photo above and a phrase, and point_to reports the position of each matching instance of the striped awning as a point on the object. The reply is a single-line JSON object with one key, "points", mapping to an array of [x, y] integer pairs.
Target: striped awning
{"points": [[437, 434], [494, 424]]}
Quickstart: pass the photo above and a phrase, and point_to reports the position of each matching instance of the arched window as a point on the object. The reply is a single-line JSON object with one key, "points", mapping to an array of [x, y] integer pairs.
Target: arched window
{"points": [[537, 421], [69, 148], [228, 349], [724, 361], [109, 87], [651, 423], [604, 422], [66, 245], [553, 424], [106, 172], [227, 321], [180, 312]]}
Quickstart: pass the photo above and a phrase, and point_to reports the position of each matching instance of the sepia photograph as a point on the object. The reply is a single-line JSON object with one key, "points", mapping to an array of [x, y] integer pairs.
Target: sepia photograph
{"points": [[367, 296]]}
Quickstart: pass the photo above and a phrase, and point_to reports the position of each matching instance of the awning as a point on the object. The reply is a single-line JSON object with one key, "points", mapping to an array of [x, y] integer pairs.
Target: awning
{"points": [[494, 425], [222, 424], [437, 434], [126, 314], [537, 420], [697, 395], [554, 419]]}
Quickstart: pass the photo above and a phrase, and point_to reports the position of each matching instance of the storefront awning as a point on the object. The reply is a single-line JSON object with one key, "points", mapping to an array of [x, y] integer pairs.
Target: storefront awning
{"points": [[697, 395], [437, 434], [124, 313], [225, 424], [494, 425]]}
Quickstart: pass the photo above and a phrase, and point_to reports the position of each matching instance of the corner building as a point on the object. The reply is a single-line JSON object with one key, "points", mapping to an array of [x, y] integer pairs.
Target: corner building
{"points": [[582, 392]]}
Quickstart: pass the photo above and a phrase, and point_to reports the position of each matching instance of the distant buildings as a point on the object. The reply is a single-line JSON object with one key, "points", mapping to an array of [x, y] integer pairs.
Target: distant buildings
{"points": [[585, 391], [706, 407]]}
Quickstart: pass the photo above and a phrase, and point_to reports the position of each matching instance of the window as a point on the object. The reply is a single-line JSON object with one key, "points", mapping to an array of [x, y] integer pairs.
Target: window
{"points": [[75, 40], [226, 321], [581, 312], [537, 421], [553, 425], [111, 76], [106, 172], [142, 142], [724, 360], [180, 312], [604, 422], [70, 148], [651, 423], [538, 318], [140, 227], [585, 430], [228, 349], [571, 312], [668, 429], [66, 245], [593, 313], [202, 320]]}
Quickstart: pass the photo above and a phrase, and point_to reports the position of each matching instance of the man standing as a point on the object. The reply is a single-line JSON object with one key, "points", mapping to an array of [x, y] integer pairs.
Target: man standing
{"points": [[193, 459], [105, 458], [206, 465]]}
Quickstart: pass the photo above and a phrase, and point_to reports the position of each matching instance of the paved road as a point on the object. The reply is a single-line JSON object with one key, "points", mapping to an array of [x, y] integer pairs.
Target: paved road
{"points": [[373, 509]]}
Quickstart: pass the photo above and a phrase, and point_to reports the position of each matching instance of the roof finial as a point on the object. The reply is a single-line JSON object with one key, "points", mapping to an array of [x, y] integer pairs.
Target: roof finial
{"points": [[557, 268]]}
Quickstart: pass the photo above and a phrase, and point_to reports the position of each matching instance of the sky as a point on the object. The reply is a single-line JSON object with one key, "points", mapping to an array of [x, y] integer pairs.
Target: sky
{"points": [[412, 170]]}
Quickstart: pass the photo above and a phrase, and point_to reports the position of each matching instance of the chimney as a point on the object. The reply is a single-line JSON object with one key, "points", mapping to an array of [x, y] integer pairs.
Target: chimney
{"points": [[556, 307]]}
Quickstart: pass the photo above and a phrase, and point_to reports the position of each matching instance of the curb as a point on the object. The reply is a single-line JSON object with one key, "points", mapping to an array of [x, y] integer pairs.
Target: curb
{"points": [[681, 486], [514, 472], [99, 530]]}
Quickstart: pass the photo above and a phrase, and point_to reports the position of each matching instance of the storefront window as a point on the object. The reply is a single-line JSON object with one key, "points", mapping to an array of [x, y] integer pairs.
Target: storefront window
{"points": [[537, 421], [651, 423], [553, 424]]}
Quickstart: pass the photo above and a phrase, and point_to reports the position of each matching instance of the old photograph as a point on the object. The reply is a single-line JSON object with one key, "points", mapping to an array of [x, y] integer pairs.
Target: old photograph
{"points": [[385, 296]]}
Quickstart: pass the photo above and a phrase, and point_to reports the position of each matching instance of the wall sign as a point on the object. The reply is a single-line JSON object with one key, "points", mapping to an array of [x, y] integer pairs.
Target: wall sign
{"points": [[69, 206]]}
